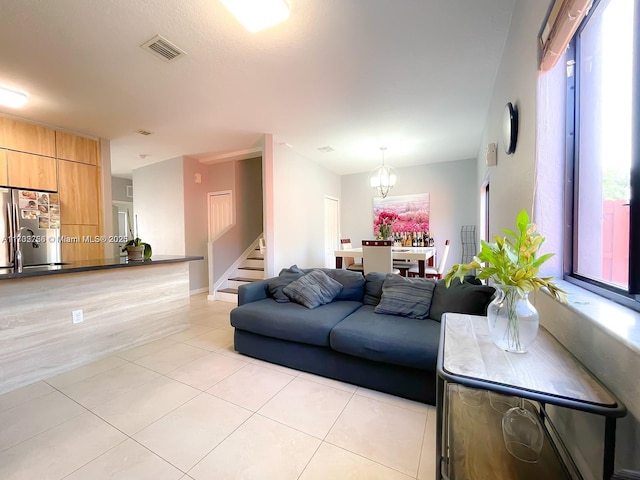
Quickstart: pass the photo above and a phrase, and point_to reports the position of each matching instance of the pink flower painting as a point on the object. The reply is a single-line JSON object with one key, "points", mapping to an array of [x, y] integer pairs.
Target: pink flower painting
{"points": [[403, 213]]}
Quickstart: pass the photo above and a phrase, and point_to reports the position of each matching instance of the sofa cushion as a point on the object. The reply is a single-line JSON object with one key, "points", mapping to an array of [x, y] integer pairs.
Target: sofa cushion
{"points": [[352, 283], [470, 297], [277, 284], [291, 321], [388, 338], [408, 297], [313, 289], [373, 288]]}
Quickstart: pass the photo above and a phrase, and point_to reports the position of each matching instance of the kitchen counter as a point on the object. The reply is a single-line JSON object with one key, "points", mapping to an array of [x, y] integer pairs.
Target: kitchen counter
{"points": [[91, 265], [51, 323]]}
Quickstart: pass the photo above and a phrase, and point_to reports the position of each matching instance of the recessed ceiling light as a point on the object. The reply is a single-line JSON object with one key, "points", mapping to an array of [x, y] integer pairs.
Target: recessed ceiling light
{"points": [[12, 98], [256, 15]]}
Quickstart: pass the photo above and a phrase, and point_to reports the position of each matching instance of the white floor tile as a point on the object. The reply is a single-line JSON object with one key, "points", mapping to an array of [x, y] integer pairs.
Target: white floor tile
{"points": [[251, 386], [191, 332], [106, 386], [212, 340], [172, 357], [146, 349], [60, 450], [382, 432], [190, 432], [129, 460], [331, 462], [229, 351], [427, 469], [260, 449], [138, 408], [206, 371], [276, 367], [307, 406], [86, 371], [347, 387], [34, 417], [23, 395], [218, 320], [393, 400]]}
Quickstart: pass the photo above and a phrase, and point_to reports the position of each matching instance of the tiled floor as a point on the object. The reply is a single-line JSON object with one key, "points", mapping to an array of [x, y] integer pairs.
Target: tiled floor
{"points": [[189, 407]]}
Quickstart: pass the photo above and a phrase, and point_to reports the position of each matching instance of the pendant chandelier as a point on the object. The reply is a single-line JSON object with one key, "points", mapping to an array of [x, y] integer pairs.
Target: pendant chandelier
{"points": [[382, 178]]}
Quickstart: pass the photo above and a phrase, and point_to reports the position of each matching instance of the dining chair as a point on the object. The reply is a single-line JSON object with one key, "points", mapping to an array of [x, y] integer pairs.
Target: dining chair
{"points": [[350, 262], [377, 256], [437, 272]]}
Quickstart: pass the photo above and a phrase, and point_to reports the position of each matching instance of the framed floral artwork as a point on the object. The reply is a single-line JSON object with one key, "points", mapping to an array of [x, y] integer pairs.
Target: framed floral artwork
{"points": [[401, 214]]}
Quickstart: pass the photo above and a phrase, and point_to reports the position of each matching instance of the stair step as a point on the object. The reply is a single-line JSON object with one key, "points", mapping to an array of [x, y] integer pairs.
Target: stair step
{"points": [[255, 258], [229, 290], [243, 279], [258, 269]]}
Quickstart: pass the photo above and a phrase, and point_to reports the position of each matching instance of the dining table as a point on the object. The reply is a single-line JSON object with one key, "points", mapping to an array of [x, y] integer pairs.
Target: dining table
{"points": [[423, 255]]}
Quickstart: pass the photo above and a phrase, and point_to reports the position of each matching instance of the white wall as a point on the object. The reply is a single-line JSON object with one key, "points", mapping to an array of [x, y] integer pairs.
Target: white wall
{"points": [[299, 187], [119, 189], [511, 184], [195, 221], [512, 188], [158, 200], [244, 179], [452, 193]]}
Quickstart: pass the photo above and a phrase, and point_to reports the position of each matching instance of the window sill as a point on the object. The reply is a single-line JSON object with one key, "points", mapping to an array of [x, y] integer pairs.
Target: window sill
{"points": [[616, 320]]}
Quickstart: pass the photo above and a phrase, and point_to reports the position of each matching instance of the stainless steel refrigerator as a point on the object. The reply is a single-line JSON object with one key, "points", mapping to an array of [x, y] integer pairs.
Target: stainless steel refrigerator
{"points": [[30, 228]]}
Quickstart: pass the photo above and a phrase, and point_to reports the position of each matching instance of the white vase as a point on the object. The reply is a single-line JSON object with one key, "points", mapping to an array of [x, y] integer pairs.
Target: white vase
{"points": [[513, 320]]}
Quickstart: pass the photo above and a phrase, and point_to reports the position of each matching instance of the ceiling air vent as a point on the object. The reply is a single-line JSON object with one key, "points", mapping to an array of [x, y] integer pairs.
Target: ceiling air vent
{"points": [[163, 48], [143, 132], [326, 149]]}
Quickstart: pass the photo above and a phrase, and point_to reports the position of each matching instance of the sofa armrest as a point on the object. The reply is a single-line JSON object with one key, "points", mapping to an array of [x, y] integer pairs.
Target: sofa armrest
{"points": [[252, 292]]}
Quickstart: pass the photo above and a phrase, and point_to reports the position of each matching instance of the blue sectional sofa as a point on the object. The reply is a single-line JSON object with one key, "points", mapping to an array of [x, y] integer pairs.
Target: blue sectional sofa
{"points": [[346, 339]]}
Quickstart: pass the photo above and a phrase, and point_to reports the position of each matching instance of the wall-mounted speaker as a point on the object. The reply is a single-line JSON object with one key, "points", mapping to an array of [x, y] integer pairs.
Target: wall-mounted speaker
{"points": [[491, 157]]}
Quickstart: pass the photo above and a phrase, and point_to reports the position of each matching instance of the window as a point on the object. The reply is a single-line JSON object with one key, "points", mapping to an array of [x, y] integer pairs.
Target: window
{"points": [[603, 150]]}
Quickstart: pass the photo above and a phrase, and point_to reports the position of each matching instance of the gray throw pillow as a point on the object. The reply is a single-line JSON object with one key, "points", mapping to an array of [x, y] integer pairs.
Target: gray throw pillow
{"points": [[313, 289], [277, 284], [373, 288], [466, 297], [408, 297]]}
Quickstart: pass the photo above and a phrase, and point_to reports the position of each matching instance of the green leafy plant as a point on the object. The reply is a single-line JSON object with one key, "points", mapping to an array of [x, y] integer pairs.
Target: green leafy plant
{"points": [[512, 260], [137, 241]]}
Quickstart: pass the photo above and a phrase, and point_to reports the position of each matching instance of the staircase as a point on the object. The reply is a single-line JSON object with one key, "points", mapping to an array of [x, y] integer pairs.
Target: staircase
{"points": [[250, 269]]}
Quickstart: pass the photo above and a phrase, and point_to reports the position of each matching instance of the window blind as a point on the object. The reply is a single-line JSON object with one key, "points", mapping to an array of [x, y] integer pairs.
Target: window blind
{"points": [[561, 24]]}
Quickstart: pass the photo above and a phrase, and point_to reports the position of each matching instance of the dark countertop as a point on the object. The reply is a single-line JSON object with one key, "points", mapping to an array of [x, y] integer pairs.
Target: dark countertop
{"points": [[91, 265]]}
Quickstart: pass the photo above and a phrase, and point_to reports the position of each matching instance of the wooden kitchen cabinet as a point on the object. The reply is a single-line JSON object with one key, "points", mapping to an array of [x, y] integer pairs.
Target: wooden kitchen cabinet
{"points": [[27, 137], [35, 172], [3, 169], [79, 190], [76, 148], [77, 246]]}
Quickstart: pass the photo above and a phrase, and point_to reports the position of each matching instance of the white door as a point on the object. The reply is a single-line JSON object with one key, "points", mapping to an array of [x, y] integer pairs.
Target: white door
{"points": [[331, 231], [220, 213]]}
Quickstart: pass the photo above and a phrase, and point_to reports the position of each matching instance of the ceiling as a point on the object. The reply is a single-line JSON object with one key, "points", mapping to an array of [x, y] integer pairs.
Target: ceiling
{"points": [[415, 76]]}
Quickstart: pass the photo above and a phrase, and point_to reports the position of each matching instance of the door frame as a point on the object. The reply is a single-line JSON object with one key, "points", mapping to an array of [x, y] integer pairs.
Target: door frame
{"points": [[337, 244]]}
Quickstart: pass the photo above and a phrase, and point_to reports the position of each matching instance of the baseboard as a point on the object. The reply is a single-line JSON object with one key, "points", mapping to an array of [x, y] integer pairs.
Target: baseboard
{"points": [[198, 290]]}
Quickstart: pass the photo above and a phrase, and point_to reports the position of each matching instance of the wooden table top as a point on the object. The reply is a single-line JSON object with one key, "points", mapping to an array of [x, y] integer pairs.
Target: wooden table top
{"points": [[547, 372]]}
